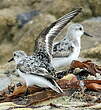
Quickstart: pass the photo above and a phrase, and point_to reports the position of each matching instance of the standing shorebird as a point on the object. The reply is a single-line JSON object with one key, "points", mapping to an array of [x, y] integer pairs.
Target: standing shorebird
{"points": [[37, 69], [31, 70], [68, 49]]}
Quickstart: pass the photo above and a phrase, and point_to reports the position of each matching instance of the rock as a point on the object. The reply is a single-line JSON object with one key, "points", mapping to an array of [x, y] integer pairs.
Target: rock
{"points": [[7, 20], [60, 7], [93, 52], [97, 77], [95, 6], [14, 3], [24, 18]]}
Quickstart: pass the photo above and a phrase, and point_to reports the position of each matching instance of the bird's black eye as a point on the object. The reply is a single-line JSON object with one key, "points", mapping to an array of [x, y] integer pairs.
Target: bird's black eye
{"points": [[14, 54], [80, 28]]}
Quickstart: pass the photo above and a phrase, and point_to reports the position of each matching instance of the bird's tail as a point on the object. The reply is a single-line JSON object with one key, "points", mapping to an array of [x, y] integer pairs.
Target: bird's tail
{"points": [[56, 87]]}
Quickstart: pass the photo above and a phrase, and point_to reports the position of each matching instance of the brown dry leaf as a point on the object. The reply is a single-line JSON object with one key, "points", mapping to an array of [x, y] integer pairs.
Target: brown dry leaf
{"points": [[94, 86], [89, 65], [42, 96]]}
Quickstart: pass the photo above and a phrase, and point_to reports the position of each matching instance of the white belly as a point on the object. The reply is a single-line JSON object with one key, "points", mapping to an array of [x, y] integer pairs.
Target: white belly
{"points": [[39, 81], [34, 80], [65, 61]]}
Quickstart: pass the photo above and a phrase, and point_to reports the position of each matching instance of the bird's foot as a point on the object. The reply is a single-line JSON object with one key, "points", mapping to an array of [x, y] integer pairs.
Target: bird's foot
{"points": [[71, 70], [27, 92]]}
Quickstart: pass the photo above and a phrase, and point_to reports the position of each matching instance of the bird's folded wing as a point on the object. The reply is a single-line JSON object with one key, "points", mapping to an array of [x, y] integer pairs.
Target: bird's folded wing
{"points": [[43, 72], [34, 70], [62, 50], [46, 37]]}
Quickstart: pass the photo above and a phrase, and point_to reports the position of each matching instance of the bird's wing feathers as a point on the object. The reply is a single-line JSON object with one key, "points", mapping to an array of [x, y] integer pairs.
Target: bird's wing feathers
{"points": [[46, 37], [28, 64], [43, 72], [28, 68], [62, 49]]}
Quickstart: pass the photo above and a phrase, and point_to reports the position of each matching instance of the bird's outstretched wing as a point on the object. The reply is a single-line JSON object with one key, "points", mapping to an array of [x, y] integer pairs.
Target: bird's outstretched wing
{"points": [[46, 37]]}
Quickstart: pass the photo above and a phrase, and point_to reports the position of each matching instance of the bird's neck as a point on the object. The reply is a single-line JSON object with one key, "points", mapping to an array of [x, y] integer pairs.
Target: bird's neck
{"points": [[75, 40]]}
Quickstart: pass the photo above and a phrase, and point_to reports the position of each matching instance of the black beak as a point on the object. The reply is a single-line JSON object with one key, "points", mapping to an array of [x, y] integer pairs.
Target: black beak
{"points": [[11, 60], [87, 34]]}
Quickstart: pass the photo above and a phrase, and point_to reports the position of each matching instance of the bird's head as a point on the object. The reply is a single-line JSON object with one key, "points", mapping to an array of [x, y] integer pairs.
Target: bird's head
{"points": [[18, 56], [77, 30]]}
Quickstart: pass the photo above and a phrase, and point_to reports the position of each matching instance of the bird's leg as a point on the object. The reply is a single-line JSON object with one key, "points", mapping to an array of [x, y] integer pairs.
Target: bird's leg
{"points": [[46, 89], [27, 92], [71, 70], [61, 74], [19, 84], [82, 87]]}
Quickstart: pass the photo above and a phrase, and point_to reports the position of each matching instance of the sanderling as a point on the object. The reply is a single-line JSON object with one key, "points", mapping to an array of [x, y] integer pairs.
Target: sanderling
{"points": [[37, 69], [29, 68], [68, 49]]}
